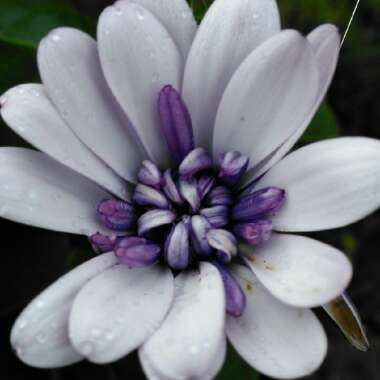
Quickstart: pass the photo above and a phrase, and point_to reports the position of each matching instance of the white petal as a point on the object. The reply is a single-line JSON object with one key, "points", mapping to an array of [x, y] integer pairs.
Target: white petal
{"points": [[71, 72], [268, 98], [228, 33], [29, 112], [278, 340], [187, 344], [39, 191], [118, 310], [139, 58], [299, 271], [325, 42], [328, 184], [214, 369], [40, 334], [177, 17]]}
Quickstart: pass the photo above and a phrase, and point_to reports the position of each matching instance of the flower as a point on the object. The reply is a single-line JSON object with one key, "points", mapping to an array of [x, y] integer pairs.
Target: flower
{"points": [[164, 144]]}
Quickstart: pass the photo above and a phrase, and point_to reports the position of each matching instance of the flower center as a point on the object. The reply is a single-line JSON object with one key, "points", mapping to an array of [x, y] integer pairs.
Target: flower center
{"points": [[191, 213]]}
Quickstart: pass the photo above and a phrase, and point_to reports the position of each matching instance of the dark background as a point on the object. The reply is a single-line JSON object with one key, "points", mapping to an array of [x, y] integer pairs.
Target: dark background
{"points": [[32, 258]]}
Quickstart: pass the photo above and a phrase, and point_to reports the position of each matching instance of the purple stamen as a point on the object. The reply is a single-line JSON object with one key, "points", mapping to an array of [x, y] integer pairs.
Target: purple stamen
{"points": [[148, 196], [235, 297], [255, 232], [232, 166], [117, 215], [220, 196], [103, 243], [177, 248], [216, 215], [153, 219], [259, 204], [171, 189], [150, 175], [199, 228], [224, 242], [175, 123], [189, 191], [196, 161], [137, 252]]}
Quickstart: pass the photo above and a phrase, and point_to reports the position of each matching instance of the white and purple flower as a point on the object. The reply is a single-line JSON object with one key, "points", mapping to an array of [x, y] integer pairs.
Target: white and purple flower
{"points": [[164, 145]]}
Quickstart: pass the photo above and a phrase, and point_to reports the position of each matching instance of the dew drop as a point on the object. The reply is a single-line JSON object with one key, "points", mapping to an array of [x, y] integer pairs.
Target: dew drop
{"points": [[185, 14], [41, 338], [21, 90], [3, 100], [35, 93], [95, 332], [40, 304], [3, 210], [206, 344], [32, 194], [118, 11], [110, 336], [155, 77], [255, 16], [194, 349], [19, 351], [106, 31], [86, 348], [22, 323], [55, 37], [54, 325], [140, 13]]}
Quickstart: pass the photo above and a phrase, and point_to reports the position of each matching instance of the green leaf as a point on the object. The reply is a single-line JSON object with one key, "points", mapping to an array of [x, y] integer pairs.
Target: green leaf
{"points": [[323, 126], [236, 368], [23, 23]]}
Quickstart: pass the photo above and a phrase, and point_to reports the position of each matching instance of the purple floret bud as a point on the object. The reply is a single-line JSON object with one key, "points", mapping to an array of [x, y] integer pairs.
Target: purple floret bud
{"points": [[104, 243], [224, 242], [232, 165], [150, 175], [254, 233], [117, 215], [136, 252], [235, 297], [175, 123], [196, 161], [177, 248], [148, 196], [261, 203], [219, 196]]}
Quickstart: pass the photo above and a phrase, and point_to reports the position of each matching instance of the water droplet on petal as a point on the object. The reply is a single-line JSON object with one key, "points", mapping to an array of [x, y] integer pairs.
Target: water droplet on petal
{"points": [[140, 13], [41, 338], [19, 351], [194, 349], [155, 77], [22, 323], [3, 100], [86, 348], [95, 332], [40, 304], [55, 37], [110, 336]]}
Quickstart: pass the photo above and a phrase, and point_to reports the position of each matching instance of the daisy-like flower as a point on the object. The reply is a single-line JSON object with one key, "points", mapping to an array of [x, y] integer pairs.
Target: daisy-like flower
{"points": [[164, 145]]}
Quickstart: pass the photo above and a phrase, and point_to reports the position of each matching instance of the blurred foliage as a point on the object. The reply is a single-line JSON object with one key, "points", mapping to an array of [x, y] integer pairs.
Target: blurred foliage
{"points": [[313, 12], [24, 23], [236, 368], [323, 126]]}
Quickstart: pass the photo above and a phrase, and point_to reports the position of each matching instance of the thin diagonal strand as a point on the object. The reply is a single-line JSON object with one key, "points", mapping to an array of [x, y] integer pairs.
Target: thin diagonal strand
{"points": [[350, 22]]}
